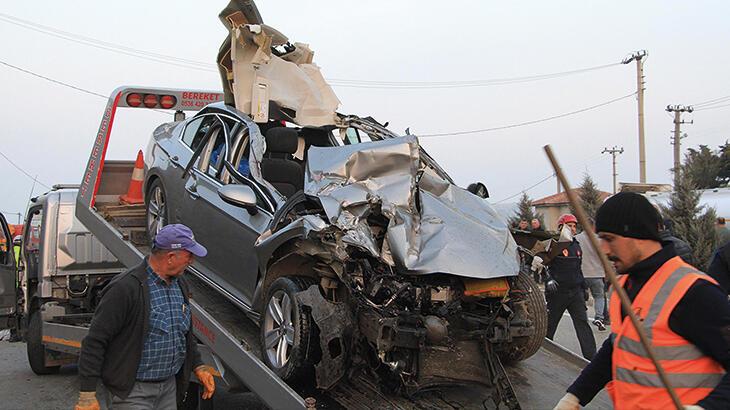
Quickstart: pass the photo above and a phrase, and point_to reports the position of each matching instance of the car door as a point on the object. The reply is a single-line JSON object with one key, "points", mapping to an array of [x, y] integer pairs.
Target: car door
{"points": [[8, 271], [180, 151], [227, 231]]}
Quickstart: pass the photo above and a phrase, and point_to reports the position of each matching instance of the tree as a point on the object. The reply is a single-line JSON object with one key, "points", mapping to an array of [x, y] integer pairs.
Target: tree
{"points": [[692, 223], [524, 210], [703, 166], [590, 197]]}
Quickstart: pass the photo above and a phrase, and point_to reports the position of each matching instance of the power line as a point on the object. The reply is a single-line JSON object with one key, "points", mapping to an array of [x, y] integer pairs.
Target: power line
{"points": [[712, 107], [73, 87], [336, 82], [527, 189], [459, 84], [712, 102], [112, 47], [23, 171], [522, 124], [52, 80]]}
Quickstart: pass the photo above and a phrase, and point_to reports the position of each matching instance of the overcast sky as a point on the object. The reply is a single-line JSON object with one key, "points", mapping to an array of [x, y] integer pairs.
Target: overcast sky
{"points": [[48, 129]]}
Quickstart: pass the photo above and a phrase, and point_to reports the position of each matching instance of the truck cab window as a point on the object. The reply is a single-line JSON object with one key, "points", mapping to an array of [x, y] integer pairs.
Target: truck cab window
{"points": [[6, 244], [32, 243]]}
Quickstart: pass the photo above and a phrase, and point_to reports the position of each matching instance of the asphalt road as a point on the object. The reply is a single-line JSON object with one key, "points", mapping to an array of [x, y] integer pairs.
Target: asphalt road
{"points": [[565, 335], [20, 388]]}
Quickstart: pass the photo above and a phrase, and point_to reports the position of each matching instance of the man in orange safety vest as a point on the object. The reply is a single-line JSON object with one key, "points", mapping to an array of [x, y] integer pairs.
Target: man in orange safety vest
{"points": [[685, 315]]}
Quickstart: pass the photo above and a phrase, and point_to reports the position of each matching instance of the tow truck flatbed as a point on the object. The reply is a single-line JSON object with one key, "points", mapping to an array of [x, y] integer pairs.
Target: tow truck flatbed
{"points": [[231, 339]]}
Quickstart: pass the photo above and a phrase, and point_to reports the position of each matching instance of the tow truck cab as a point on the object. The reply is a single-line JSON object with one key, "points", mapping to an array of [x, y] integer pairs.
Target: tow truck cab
{"points": [[62, 270]]}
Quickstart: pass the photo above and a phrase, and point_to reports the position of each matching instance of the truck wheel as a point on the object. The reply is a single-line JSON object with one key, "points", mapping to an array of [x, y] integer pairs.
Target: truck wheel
{"points": [[35, 349], [156, 209], [523, 347], [287, 329]]}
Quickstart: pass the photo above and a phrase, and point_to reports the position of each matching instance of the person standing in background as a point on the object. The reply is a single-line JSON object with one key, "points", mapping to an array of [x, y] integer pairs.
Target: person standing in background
{"points": [[595, 279]]}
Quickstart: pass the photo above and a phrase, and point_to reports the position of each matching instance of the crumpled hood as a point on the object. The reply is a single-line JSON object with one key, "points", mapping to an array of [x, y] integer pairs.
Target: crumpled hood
{"points": [[455, 232]]}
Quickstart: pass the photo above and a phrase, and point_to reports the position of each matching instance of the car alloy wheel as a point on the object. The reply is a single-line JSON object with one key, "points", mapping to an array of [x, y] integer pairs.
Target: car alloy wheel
{"points": [[279, 329], [156, 211]]}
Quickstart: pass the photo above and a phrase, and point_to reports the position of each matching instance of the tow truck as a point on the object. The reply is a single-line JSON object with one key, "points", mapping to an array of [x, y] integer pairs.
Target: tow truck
{"points": [[228, 338]]}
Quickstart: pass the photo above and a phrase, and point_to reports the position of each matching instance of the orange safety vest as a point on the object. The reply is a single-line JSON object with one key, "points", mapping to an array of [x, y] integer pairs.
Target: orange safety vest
{"points": [[636, 383]]}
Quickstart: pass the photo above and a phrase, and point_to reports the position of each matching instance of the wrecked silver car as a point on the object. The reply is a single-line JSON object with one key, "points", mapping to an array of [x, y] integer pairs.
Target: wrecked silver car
{"points": [[348, 244]]}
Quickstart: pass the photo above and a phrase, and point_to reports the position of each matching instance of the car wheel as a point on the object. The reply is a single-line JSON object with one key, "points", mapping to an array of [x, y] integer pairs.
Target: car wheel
{"points": [[34, 347], [287, 329], [525, 346], [157, 215]]}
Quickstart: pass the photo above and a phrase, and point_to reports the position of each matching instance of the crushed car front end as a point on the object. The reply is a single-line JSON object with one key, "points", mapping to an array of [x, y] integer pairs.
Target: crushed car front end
{"points": [[417, 277]]}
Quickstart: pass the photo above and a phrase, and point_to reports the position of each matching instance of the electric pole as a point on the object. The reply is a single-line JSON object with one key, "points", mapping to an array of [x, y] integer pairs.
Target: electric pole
{"points": [[638, 56], [678, 110], [613, 151]]}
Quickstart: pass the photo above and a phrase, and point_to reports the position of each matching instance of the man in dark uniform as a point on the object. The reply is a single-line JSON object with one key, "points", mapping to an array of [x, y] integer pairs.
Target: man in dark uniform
{"points": [[565, 287]]}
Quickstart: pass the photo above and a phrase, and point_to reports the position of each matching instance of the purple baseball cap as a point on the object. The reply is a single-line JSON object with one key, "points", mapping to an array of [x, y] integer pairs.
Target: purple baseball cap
{"points": [[178, 237]]}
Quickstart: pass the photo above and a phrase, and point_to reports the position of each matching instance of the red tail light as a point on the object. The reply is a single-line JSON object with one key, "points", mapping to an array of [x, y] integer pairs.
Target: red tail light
{"points": [[134, 100], [167, 101], [150, 101]]}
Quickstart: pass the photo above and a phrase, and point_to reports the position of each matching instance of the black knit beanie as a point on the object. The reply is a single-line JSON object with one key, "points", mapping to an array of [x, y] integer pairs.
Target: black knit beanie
{"points": [[629, 214]]}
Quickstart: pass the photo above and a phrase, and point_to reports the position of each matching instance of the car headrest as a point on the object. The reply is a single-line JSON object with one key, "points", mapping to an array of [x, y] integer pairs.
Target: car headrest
{"points": [[282, 140]]}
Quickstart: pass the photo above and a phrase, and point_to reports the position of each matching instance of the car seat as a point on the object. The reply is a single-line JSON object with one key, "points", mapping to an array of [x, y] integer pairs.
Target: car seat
{"points": [[277, 166]]}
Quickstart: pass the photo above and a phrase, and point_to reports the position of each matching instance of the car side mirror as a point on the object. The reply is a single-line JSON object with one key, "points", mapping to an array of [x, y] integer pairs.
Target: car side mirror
{"points": [[239, 195], [478, 189]]}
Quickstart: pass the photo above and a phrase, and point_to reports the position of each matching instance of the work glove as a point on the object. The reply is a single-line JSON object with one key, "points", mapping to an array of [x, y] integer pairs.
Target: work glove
{"points": [[87, 401], [551, 286], [537, 265], [204, 373], [568, 402]]}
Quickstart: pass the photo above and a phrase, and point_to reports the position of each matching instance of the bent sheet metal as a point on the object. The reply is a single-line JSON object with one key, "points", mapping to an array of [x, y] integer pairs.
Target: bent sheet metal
{"points": [[435, 226]]}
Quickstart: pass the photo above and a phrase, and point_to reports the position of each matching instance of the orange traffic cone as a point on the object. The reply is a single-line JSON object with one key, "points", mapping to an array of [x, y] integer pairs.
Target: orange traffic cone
{"points": [[134, 193]]}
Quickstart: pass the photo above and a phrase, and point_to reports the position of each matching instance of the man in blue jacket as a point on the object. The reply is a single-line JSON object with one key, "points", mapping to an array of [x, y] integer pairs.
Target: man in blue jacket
{"points": [[140, 344]]}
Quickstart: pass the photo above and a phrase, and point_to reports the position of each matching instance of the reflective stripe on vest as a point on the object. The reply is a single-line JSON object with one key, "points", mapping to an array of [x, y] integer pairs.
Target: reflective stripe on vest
{"points": [[677, 380], [636, 383]]}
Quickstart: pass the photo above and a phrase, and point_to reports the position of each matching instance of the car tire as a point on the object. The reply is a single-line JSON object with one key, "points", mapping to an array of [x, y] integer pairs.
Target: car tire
{"points": [[156, 210], [297, 335], [34, 347], [523, 347]]}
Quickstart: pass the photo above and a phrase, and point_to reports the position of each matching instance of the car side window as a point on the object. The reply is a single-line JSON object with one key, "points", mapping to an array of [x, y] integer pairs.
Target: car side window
{"points": [[355, 136], [196, 129], [218, 152]]}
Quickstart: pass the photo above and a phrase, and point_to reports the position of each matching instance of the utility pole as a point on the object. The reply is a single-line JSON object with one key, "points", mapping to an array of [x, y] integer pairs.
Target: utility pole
{"points": [[678, 110], [613, 151], [638, 56]]}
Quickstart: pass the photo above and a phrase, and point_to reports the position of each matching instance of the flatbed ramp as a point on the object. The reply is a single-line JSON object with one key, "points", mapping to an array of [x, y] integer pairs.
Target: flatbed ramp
{"points": [[539, 382]]}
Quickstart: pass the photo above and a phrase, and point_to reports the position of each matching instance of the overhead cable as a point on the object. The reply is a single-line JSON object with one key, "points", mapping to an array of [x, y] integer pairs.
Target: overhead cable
{"points": [[23, 171], [112, 47], [522, 124], [524, 190], [66, 84], [711, 102], [336, 82], [52, 80], [458, 84], [711, 107]]}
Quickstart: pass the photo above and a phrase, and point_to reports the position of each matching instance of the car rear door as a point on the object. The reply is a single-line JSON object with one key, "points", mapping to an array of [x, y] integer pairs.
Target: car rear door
{"points": [[8, 271]]}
